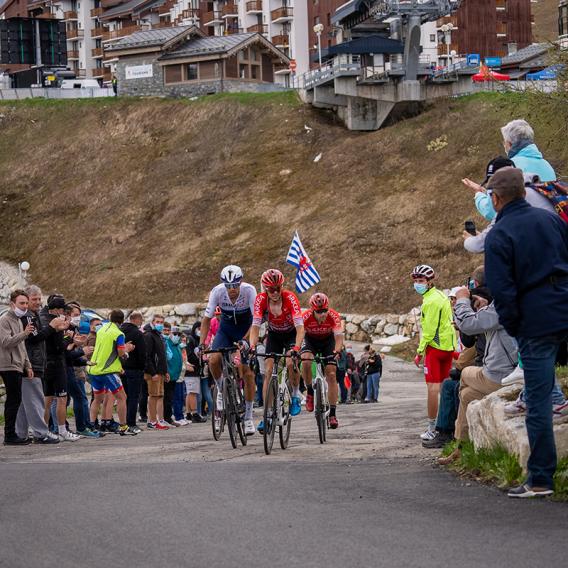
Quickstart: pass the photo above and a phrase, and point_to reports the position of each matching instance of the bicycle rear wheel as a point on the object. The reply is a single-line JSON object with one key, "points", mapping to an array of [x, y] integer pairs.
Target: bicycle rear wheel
{"points": [[230, 410], [241, 415], [284, 431], [270, 417], [320, 412], [217, 417]]}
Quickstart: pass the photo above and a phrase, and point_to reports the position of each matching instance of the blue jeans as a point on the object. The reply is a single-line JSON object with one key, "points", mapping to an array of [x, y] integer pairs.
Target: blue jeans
{"points": [[449, 404], [373, 386], [340, 374], [179, 401], [206, 396], [76, 390], [259, 378], [538, 355]]}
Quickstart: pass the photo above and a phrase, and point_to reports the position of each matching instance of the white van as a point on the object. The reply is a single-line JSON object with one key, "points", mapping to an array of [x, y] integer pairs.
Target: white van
{"points": [[80, 84]]}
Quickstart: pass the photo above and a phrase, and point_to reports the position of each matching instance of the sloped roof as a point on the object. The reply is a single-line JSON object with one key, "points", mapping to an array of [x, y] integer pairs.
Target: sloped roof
{"points": [[149, 38], [522, 55], [207, 45], [128, 7]]}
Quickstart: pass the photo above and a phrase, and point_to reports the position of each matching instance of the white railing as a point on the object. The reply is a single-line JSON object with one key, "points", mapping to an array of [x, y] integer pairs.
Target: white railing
{"points": [[53, 93], [330, 70]]}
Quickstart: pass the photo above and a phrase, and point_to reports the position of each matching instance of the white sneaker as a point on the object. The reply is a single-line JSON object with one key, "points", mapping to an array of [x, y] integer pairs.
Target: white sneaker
{"points": [[52, 436], [515, 408], [517, 376], [162, 422], [428, 435], [220, 405], [178, 423], [68, 437], [183, 422], [249, 427]]}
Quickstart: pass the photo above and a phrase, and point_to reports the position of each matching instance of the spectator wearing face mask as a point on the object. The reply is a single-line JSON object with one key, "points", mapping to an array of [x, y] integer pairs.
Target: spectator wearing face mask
{"points": [[14, 362], [134, 367], [196, 384], [174, 356]]}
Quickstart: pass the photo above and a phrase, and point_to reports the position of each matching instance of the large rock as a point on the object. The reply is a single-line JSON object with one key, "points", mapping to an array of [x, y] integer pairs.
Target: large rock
{"points": [[393, 318], [185, 309], [351, 328], [391, 329], [380, 327], [488, 426], [390, 341], [357, 319]]}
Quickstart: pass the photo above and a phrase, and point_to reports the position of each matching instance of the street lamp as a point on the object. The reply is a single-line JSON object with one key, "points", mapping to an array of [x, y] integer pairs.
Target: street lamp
{"points": [[318, 29], [447, 30]]}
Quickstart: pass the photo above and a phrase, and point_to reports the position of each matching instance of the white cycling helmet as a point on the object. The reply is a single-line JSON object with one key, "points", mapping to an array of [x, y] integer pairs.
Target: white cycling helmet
{"points": [[231, 274], [423, 271]]}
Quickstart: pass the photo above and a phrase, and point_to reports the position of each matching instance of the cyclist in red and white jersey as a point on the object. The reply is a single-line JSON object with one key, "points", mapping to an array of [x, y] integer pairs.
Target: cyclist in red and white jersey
{"points": [[324, 336], [281, 310]]}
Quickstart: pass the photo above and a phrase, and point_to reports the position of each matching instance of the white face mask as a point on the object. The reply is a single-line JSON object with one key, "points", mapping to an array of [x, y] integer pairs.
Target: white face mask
{"points": [[76, 320], [197, 333], [20, 313]]}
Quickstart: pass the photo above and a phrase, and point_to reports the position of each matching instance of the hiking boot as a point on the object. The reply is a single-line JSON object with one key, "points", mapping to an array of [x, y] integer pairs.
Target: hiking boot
{"points": [[438, 441]]}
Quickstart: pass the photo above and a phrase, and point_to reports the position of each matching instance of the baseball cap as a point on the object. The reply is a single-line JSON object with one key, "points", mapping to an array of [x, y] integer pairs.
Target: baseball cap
{"points": [[507, 178], [494, 165], [56, 303]]}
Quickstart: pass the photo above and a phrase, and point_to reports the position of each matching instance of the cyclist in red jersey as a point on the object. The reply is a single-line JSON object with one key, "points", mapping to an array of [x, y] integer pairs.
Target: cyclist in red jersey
{"points": [[281, 310], [324, 336]]}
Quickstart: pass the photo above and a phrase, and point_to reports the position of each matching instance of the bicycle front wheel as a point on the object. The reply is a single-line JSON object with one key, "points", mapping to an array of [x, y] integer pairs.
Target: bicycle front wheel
{"points": [[320, 412], [230, 410], [270, 415], [284, 431], [217, 417]]}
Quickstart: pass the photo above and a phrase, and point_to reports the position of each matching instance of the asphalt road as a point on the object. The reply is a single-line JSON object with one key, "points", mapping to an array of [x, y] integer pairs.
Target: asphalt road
{"points": [[370, 497]]}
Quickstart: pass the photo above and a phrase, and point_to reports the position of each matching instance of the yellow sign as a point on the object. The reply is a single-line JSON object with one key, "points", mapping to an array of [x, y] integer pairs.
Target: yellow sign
{"points": [[51, 77]]}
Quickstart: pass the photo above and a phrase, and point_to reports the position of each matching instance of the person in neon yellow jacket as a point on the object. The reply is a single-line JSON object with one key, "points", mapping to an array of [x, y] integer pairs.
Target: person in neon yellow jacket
{"points": [[438, 341]]}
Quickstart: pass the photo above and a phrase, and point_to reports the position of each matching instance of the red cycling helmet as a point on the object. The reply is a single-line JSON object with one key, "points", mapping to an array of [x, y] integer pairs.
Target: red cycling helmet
{"points": [[272, 278], [319, 301]]}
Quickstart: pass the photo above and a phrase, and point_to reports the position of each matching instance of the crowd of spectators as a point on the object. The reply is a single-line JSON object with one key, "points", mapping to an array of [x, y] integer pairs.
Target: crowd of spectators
{"points": [[511, 319]]}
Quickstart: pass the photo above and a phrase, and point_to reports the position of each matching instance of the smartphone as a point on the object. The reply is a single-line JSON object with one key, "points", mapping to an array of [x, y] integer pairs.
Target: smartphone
{"points": [[470, 228]]}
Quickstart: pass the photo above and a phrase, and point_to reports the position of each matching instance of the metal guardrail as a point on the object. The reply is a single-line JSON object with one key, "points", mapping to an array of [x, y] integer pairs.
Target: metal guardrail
{"points": [[329, 71], [53, 93]]}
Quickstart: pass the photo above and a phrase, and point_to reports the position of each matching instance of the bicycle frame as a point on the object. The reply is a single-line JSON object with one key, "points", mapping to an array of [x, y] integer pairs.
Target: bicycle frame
{"points": [[320, 378]]}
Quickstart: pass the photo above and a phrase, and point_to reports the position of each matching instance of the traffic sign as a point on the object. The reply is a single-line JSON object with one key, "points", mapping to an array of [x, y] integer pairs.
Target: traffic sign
{"points": [[493, 61], [292, 65]]}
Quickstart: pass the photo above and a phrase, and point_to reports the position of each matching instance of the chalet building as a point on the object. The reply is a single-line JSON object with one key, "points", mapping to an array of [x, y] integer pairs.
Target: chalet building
{"points": [[184, 62]]}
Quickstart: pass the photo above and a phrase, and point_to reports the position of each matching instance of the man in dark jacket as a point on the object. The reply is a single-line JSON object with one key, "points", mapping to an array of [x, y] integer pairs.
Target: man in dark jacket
{"points": [[526, 262], [31, 413], [133, 366], [155, 372]]}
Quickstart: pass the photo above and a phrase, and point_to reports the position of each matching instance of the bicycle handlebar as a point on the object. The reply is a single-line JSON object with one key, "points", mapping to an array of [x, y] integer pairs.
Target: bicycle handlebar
{"points": [[319, 358]]}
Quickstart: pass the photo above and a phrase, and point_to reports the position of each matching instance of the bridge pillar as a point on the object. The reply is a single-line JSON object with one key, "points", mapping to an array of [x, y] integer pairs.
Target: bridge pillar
{"points": [[412, 47], [364, 114]]}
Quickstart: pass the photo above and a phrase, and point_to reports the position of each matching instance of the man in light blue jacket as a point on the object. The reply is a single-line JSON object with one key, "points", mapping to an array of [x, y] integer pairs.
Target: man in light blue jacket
{"points": [[518, 141]]}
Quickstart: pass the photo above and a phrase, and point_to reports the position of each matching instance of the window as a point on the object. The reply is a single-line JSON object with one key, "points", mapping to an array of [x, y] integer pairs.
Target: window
{"points": [[243, 71], [254, 54], [255, 71], [191, 72], [172, 74], [432, 38]]}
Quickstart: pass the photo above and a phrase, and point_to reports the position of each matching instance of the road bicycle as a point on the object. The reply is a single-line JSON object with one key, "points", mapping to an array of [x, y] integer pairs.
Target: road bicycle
{"points": [[321, 398], [277, 404], [233, 412]]}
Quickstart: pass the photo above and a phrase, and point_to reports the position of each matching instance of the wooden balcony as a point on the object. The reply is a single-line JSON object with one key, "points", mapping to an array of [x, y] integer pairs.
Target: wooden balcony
{"points": [[281, 40], [75, 33], [97, 52], [70, 15], [191, 14], [96, 12], [501, 4], [103, 73], [123, 32], [73, 54], [81, 73], [110, 3], [212, 18], [230, 11], [258, 28], [501, 29], [443, 48], [283, 14], [232, 30], [254, 7], [97, 32]]}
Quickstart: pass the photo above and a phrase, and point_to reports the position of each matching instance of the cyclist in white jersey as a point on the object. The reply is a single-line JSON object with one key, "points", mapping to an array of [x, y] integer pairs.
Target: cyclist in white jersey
{"points": [[235, 299]]}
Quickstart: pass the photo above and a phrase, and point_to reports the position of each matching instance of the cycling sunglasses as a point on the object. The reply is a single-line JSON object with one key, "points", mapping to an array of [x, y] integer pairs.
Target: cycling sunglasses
{"points": [[233, 286], [272, 289], [324, 311]]}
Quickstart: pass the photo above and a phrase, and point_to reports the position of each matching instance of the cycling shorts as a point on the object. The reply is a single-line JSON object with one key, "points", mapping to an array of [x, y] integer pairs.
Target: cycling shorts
{"points": [[55, 379], [106, 383], [278, 342], [437, 365], [229, 334], [324, 347]]}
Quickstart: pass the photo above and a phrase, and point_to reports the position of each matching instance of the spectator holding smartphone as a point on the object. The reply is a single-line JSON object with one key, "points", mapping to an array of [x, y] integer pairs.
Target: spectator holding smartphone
{"points": [[14, 362]]}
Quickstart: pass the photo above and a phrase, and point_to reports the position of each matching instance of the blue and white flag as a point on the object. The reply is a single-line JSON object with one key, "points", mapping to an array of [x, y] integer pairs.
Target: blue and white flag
{"points": [[307, 276]]}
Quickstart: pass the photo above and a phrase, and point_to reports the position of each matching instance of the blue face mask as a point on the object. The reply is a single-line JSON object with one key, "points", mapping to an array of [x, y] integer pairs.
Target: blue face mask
{"points": [[175, 339], [421, 288], [159, 327]]}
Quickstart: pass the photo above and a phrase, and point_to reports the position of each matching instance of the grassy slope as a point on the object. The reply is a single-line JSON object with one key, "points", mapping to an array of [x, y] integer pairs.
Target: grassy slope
{"points": [[130, 202]]}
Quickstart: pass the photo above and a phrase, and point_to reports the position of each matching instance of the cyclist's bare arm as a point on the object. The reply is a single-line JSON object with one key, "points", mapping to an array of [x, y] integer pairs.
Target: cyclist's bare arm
{"points": [[300, 332], [338, 342], [254, 332], [204, 331]]}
